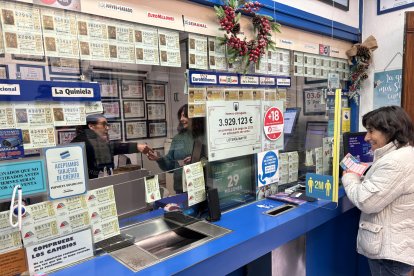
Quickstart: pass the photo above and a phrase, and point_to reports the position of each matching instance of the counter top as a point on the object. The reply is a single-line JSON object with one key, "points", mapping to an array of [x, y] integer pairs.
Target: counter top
{"points": [[253, 235]]}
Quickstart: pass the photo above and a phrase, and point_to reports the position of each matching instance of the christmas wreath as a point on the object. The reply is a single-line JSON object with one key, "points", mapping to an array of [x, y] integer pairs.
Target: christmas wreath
{"points": [[246, 52], [360, 57]]}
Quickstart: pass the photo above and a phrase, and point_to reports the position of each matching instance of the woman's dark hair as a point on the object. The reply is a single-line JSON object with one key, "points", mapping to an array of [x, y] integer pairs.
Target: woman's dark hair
{"points": [[393, 122], [197, 124]]}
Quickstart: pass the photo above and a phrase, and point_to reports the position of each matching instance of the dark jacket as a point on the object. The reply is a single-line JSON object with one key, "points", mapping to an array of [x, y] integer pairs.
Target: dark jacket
{"points": [[100, 153]]}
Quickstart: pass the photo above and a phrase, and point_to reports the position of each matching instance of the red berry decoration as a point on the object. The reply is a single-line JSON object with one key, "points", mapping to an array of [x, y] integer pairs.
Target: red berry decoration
{"points": [[241, 49]]}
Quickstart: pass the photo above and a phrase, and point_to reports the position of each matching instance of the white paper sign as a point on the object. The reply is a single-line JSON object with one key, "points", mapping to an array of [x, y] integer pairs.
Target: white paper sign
{"points": [[152, 189], [60, 252], [66, 171], [233, 128]]}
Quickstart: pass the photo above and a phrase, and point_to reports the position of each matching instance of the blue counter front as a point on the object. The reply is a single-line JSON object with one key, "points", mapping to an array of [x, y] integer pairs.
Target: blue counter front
{"points": [[253, 235]]}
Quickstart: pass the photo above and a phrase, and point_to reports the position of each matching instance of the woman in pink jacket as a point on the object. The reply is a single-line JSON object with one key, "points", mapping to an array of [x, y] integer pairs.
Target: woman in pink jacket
{"points": [[385, 195]]}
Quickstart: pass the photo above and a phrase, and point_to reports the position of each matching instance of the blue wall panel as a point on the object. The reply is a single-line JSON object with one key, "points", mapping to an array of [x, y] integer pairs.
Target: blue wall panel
{"points": [[296, 18]]}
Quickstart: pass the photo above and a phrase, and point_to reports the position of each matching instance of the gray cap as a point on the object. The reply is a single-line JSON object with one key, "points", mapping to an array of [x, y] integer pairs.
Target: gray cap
{"points": [[94, 118]]}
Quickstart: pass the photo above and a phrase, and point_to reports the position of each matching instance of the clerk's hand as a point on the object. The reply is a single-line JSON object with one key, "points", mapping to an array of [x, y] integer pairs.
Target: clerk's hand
{"points": [[187, 160], [144, 148]]}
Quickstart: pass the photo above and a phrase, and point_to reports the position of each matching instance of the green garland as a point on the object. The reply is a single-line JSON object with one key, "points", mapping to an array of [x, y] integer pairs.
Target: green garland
{"points": [[240, 49]]}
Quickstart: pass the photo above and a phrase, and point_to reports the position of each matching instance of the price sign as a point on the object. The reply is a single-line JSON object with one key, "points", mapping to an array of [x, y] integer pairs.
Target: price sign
{"points": [[273, 123], [233, 129], [313, 101]]}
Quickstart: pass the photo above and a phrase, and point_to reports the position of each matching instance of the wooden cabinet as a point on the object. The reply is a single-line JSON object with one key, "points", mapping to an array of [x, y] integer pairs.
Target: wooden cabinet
{"points": [[407, 97]]}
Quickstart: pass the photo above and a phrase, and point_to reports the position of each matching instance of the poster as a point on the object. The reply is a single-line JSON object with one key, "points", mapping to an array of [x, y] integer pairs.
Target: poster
{"points": [[98, 200], [197, 95], [93, 38], [132, 89], [68, 206], [197, 52], [283, 168], [273, 123], [293, 163], [22, 33], [93, 107], [216, 54], [133, 109], [231, 95], [32, 114], [196, 110], [66, 171], [313, 103], [39, 223], [135, 130], [169, 45], [267, 167], [156, 111], [11, 144], [115, 131], [233, 129], [194, 178], [121, 41], [385, 6], [155, 92], [30, 175], [146, 45], [59, 33], [65, 136], [111, 110], [60, 252], [215, 94], [70, 66], [13, 263], [38, 137], [319, 186], [157, 129], [69, 114], [109, 88], [346, 119], [387, 88], [9, 240]]}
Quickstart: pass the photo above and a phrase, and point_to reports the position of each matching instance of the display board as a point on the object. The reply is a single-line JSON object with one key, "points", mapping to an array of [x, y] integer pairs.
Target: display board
{"points": [[234, 179]]}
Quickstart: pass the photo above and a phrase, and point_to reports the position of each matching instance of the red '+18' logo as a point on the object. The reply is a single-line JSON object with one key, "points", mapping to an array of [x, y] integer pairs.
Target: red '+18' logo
{"points": [[273, 123]]}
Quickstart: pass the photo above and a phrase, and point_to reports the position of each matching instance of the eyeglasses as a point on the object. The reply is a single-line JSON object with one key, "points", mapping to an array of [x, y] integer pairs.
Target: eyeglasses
{"points": [[104, 124]]}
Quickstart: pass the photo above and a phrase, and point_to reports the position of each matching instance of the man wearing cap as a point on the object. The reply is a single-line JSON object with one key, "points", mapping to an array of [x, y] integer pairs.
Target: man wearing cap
{"points": [[100, 150]]}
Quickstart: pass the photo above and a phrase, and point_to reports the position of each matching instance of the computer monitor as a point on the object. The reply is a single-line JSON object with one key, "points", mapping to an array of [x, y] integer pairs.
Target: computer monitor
{"points": [[315, 132], [291, 116], [355, 144], [234, 179], [197, 151]]}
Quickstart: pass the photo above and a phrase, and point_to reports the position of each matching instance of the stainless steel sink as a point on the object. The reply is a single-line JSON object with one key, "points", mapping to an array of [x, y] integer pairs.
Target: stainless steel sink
{"points": [[164, 237]]}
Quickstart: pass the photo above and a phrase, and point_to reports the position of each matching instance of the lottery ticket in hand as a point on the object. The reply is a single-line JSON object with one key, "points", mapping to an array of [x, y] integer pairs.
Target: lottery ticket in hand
{"points": [[350, 163]]}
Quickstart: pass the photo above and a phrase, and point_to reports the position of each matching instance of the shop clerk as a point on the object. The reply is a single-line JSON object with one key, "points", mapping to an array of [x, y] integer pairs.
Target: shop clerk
{"points": [[100, 150]]}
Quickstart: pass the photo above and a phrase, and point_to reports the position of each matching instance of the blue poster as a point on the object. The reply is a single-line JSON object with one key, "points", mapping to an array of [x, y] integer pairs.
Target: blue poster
{"points": [[267, 167], [30, 175], [387, 88], [319, 186], [11, 143]]}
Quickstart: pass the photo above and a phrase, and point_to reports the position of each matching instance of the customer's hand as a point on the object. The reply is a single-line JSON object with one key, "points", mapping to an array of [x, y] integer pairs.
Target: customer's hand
{"points": [[153, 156]]}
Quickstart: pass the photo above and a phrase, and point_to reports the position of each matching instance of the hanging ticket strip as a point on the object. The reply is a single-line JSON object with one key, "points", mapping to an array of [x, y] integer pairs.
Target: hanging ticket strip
{"points": [[195, 186]]}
